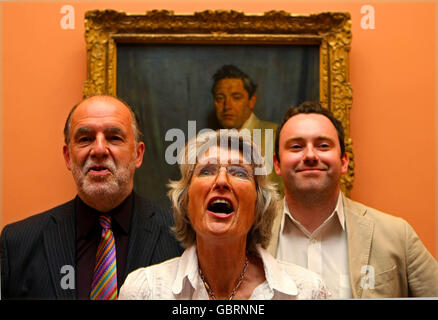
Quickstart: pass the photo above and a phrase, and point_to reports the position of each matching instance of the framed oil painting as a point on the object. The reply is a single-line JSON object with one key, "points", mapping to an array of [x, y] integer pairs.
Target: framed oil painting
{"points": [[162, 65]]}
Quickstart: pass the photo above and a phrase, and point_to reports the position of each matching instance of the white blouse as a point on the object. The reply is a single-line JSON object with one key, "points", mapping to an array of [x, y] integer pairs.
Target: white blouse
{"points": [[178, 279]]}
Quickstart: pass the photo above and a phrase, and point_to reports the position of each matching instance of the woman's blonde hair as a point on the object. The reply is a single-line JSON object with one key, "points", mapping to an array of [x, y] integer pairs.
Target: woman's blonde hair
{"points": [[267, 196]]}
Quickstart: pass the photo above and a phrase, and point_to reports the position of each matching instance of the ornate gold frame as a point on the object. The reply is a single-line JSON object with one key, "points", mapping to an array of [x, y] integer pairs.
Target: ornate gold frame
{"points": [[330, 30]]}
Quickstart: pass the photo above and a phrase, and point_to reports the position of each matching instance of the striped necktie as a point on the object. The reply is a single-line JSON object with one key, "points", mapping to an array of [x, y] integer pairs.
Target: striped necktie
{"points": [[104, 285]]}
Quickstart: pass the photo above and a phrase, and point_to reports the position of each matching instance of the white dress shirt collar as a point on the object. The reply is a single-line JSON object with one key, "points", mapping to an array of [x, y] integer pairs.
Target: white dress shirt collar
{"points": [[275, 277], [338, 211]]}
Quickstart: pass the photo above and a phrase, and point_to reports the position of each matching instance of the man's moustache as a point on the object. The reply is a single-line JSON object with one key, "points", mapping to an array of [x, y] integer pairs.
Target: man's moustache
{"points": [[110, 165]]}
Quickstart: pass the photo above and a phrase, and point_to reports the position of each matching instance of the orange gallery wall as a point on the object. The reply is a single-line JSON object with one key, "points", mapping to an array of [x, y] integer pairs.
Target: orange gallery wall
{"points": [[392, 71]]}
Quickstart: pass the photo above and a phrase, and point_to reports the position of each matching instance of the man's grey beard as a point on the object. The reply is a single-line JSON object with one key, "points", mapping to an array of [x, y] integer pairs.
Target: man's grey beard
{"points": [[108, 188]]}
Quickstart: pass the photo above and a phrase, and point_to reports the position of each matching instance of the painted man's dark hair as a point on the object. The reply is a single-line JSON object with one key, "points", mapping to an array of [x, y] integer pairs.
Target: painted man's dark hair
{"points": [[230, 71]]}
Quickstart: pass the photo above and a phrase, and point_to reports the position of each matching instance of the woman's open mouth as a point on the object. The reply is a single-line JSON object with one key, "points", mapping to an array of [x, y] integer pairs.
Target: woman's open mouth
{"points": [[220, 207]]}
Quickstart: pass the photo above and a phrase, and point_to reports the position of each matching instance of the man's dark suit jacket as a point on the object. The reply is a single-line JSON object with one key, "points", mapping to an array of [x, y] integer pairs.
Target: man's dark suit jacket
{"points": [[33, 251]]}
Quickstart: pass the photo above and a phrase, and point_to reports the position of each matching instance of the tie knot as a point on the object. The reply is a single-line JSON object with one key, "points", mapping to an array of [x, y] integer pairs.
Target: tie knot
{"points": [[105, 221]]}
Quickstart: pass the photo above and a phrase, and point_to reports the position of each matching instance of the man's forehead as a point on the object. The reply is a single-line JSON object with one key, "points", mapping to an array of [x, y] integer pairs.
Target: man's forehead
{"points": [[96, 108], [314, 124], [230, 82]]}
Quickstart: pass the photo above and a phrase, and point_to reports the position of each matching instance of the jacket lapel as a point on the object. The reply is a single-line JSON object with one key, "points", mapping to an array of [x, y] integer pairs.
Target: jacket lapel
{"points": [[143, 236], [59, 244], [359, 237], [275, 234]]}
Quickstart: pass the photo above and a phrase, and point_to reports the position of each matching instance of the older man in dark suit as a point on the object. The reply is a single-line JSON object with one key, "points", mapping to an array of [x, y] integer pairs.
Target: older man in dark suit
{"points": [[86, 247]]}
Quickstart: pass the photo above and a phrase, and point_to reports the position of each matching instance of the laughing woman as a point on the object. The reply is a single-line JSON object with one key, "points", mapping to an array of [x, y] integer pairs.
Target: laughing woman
{"points": [[224, 208]]}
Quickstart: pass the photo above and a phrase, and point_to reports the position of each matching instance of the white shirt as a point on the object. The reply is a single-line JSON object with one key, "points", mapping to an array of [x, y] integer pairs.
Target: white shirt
{"points": [[324, 251], [178, 279]]}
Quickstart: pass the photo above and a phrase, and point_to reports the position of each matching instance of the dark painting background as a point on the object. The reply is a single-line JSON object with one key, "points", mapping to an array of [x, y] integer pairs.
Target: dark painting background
{"points": [[168, 85]]}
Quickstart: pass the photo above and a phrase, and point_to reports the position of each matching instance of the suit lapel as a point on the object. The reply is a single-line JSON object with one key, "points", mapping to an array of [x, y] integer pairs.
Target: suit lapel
{"points": [[359, 237], [59, 244], [275, 234], [143, 236]]}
